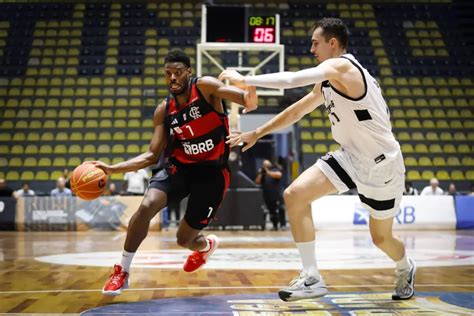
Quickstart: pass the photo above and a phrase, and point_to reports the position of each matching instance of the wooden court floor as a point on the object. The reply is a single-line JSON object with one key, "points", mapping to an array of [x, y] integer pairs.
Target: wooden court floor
{"points": [[69, 282]]}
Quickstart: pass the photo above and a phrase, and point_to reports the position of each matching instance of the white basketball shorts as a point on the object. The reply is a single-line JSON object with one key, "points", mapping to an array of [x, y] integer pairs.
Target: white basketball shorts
{"points": [[379, 185]]}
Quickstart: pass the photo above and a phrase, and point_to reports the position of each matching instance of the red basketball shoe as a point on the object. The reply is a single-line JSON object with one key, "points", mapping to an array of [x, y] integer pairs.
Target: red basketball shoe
{"points": [[117, 281], [197, 259]]}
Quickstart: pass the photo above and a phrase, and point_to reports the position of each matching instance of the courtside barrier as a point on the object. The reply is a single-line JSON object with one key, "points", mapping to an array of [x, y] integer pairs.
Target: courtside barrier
{"points": [[464, 212], [416, 212]]}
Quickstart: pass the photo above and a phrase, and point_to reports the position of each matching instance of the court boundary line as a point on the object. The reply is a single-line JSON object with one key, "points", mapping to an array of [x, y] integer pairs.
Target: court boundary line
{"points": [[226, 288]]}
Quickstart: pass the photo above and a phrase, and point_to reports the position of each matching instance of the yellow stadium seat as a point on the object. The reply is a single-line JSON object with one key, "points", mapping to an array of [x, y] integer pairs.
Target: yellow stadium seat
{"points": [[118, 136], [149, 123], [305, 136], [92, 124], [12, 176], [470, 175], [439, 161], [120, 123], [432, 136], [449, 149], [147, 136], [89, 149], [427, 175], [442, 175], [133, 149], [118, 149], [307, 149], [320, 148], [457, 175], [41, 176], [454, 161], [27, 176], [304, 123], [435, 148], [421, 148], [15, 162], [464, 149], [103, 148], [59, 162], [17, 149], [104, 136], [44, 162], [411, 161], [319, 136], [74, 149], [55, 175], [104, 123], [467, 161], [424, 162]]}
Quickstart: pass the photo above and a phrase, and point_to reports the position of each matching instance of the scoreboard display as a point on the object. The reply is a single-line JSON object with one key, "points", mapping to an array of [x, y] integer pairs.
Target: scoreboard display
{"points": [[240, 24]]}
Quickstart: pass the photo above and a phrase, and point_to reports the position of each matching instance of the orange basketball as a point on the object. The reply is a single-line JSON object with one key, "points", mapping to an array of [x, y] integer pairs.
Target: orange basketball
{"points": [[88, 182]]}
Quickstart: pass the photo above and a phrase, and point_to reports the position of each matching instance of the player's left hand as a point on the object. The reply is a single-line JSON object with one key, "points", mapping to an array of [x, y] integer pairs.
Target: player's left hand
{"points": [[231, 75], [248, 139]]}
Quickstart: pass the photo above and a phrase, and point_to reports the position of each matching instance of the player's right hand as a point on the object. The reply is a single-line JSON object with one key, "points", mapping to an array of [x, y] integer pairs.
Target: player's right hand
{"points": [[231, 75], [99, 164], [237, 138]]}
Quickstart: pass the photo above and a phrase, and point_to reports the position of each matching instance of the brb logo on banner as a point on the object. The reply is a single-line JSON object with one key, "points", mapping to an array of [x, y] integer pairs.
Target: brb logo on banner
{"points": [[405, 215]]}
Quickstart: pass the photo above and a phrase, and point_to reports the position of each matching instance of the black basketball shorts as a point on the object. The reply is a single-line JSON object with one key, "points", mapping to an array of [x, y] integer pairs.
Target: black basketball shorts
{"points": [[206, 187]]}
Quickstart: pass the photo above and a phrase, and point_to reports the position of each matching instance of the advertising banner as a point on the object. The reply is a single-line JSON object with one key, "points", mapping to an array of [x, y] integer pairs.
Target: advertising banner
{"points": [[416, 212], [71, 213], [7, 213], [465, 212]]}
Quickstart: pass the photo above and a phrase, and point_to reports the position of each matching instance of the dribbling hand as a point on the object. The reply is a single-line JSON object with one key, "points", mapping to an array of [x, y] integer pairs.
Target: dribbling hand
{"points": [[100, 165]]}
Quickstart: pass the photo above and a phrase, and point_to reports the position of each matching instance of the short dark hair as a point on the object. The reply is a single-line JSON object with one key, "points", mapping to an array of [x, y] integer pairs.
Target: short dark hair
{"points": [[334, 27], [178, 56]]}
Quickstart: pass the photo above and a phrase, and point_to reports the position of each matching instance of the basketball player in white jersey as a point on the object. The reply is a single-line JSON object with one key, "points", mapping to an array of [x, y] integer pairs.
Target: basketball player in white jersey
{"points": [[369, 158]]}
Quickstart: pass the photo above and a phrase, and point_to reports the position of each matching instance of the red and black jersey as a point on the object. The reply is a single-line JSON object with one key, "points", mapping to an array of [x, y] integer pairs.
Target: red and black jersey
{"points": [[198, 131]]}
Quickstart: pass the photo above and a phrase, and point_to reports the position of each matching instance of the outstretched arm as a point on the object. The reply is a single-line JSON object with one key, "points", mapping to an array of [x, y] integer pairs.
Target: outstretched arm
{"points": [[213, 88], [329, 69], [289, 116], [157, 145]]}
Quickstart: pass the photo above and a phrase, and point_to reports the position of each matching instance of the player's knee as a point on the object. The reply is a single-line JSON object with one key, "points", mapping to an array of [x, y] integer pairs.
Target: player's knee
{"points": [[379, 240], [145, 211], [288, 195]]}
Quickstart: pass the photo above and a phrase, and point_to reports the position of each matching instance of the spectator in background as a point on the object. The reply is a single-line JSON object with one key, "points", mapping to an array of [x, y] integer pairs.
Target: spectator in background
{"points": [[110, 191], [61, 190], [135, 182], [472, 189], [66, 173], [25, 190], [409, 189], [452, 190], [269, 177], [5, 190], [433, 188]]}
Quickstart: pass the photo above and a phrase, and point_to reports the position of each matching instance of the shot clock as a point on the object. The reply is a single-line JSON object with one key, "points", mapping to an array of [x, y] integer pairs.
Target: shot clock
{"points": [[261, 28], [240, 24]]}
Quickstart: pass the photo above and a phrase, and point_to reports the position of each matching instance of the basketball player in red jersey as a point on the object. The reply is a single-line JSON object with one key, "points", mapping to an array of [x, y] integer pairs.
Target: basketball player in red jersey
{"points": [[191, 123]]}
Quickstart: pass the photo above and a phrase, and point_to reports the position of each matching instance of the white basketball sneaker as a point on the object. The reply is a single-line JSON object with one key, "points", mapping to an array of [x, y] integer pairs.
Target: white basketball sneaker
{"points": [[405, 283], [304, 287]]}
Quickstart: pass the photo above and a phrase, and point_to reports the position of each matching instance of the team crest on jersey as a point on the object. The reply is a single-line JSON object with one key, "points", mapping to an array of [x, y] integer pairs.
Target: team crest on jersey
{"points": [[194, 112]]}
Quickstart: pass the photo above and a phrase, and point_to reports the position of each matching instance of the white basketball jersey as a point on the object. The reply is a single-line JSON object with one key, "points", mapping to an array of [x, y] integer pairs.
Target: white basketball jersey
{"points": [[361, 126]]}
